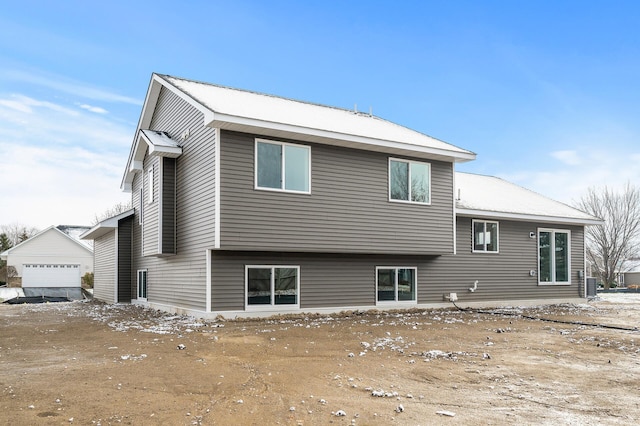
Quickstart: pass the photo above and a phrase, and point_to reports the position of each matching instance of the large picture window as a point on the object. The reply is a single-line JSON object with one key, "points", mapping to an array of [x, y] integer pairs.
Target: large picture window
{"points": [[409, 181], [554, 256], [485, 236], [282, 166], [272, 285], [395, 284]]}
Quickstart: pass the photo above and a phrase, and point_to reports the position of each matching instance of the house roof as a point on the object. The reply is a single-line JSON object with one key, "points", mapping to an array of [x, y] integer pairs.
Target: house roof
{"points": [[105, 226], [489, 196], [273, 116], [69, 231]]}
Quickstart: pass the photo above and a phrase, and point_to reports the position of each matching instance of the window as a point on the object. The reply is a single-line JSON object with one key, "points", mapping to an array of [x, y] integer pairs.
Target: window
{"points": [[395, 284], [554, 259], [272, 285], [142, 284], [150, 183], [282, 166], [485, 236], [140, 211], [409, 181]]}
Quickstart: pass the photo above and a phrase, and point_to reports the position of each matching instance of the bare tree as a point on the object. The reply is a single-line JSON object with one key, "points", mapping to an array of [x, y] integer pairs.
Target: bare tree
{"points": [[113, 211], [17, 232], [610, 245]]}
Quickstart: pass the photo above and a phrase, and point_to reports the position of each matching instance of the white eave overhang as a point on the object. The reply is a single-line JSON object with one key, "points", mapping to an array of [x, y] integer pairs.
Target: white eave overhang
{"points": [[158, 143], [527, 217], [106, 226], [288, 131]]}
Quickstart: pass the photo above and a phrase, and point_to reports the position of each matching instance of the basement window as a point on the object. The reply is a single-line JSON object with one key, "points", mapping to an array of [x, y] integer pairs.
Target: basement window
{"points": [[396, 284], [268, 286]]}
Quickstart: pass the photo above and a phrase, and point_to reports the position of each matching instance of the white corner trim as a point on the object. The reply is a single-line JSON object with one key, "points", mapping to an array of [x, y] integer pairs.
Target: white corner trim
{"points": [[208, 283], [216, 190], [453, 210]]}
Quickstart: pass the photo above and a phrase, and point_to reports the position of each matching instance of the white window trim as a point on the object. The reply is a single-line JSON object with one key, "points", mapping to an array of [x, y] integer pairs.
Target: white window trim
{"points": [[271, 306], [402, 160], [150, 185], [396, 301], [473, 236], [553, 258], [146, 274], [141, 209], [282, 172]]}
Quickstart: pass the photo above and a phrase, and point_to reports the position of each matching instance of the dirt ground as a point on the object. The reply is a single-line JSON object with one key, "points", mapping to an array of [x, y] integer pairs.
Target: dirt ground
{"points": [[95, 364]]}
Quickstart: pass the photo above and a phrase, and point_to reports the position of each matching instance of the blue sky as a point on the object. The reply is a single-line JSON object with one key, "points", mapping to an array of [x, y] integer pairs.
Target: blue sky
{"points": [[545, 92]]}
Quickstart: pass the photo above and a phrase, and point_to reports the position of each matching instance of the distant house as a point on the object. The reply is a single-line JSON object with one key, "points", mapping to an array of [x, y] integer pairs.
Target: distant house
{"points": [[52, 262], [631, 276], [251, 204]]}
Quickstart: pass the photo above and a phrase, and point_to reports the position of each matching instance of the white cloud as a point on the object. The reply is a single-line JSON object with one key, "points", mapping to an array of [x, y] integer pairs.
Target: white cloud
{"points": [[60, 165], [598, 166], [95, 109], [65, 85], [568, 157]]}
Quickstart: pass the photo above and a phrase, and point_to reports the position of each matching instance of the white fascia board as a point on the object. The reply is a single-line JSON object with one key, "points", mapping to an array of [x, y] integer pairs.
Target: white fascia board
{"points": [[148, 108], [136, 166], [105, 226], [527, 217], [252, 125], [165, 151]]}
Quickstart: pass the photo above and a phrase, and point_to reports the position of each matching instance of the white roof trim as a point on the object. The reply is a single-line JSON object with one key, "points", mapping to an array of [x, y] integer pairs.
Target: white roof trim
{"points": [[489, 196], [526, 217], [106, 226], [161, 144], [281, 130]]}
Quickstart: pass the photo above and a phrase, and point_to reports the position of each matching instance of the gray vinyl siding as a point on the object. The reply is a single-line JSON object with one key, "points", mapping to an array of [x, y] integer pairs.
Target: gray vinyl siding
{"points": [[180, 280], [104, 267], [329, 280], [503, 275], [325, 280], [348, 210], [125, 276], [168, 206]]}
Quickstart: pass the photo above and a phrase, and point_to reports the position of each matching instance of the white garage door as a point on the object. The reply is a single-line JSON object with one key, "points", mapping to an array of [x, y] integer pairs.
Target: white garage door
{"points": [[51, 275]]}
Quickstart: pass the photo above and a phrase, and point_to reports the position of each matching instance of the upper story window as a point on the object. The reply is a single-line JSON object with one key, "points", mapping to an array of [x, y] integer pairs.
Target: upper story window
{"points": [[409, 181], [485, 236], [282, 166], [554, 256]]}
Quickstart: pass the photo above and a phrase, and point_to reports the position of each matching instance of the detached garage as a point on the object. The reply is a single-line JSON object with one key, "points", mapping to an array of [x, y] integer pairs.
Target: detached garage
{"points": [[52, 262]]}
